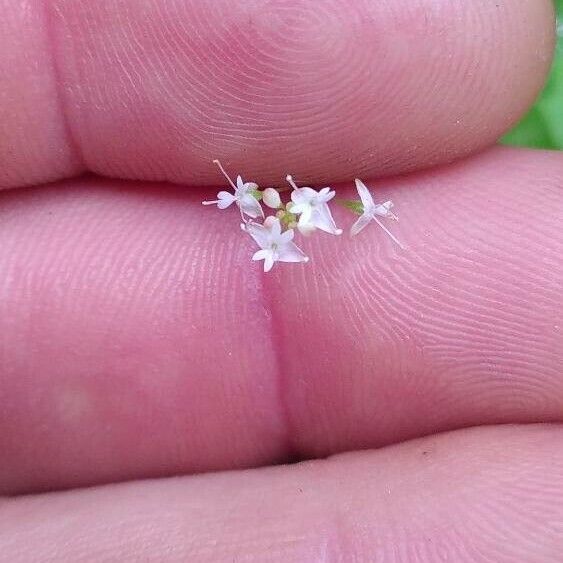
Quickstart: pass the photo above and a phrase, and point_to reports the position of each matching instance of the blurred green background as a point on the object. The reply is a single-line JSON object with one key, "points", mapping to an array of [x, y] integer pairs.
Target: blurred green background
{"points": [[542, 127]]}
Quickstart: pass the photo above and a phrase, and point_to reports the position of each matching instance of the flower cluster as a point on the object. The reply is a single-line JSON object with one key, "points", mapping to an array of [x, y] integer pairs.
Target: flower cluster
{"points": [[306, 212]]}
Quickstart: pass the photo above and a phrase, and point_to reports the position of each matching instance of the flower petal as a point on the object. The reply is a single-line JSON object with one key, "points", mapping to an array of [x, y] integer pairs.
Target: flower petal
{"points": [[259, 233], [290, 252], [250, 206], [322, 219], [298, 197], [287, 236], [325, 195], [309, 193], [268, 262], [365, 195], [269, 221], [306, 214], [306, 229], [383, 209], [275, 229], [298, 208], [360, 224], [225, 199], [261, 254]]}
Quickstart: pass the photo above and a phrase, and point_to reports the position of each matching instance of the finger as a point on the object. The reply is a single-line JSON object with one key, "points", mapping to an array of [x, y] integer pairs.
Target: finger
{"points": [[490, 494], [139, 339], [326, 91]]}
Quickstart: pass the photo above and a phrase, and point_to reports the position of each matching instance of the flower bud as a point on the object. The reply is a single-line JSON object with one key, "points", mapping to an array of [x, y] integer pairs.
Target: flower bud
{"points": [[271, 198]]}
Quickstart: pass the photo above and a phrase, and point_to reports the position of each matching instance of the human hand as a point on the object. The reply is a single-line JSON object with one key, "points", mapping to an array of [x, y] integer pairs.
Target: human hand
{"points": [[138, 341]]}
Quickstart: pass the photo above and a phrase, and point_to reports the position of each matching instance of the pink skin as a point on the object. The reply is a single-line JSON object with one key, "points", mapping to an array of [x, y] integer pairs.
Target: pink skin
{"points": [[326, 90], [480, 495], [137, 339]]}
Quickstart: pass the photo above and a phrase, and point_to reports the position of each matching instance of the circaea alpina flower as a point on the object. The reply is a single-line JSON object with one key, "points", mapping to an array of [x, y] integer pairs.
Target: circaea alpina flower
{"points": [[371, 212], [243, 196], [312, 207], [275, 245]]}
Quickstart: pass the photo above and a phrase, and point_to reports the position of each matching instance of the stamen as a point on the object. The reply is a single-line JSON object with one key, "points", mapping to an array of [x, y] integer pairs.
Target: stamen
{"points": [[290, 181], [393, 238], [220, 166]]}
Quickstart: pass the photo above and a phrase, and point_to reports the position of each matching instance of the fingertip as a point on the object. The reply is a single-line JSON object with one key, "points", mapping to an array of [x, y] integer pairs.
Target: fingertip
{"points": [[329, 91]]}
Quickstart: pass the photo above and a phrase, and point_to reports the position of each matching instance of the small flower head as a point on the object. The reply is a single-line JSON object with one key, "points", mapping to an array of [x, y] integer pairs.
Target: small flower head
{"points": [[243, 196], [312, 207], [307, 211], [275, 245]]}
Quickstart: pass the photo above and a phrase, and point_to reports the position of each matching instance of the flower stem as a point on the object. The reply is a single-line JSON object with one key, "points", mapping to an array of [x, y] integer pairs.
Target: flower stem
{"points": [[218, 163]]}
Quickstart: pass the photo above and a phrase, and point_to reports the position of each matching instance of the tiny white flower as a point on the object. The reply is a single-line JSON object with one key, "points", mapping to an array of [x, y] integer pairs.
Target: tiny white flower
{"points": [[242, 196], [312, 207], [372, 211], [271, 198], [275, 246]]}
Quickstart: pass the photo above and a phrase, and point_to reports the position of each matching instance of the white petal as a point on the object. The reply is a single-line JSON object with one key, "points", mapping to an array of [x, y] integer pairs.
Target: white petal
{"points": [[307, 229], [365, 196], [287, 236], [269, 221], [275, 229], [223, 203], [325, 195], [271, 198], [384, 209], [306, 214], [240, 183], [297, 208], [268, 262], [291, 253], [298, 197], [261, 254], [322, 219], [309, 193], [250, 206], [360, 224], [225, 199], [304, 195], [259, 233]]}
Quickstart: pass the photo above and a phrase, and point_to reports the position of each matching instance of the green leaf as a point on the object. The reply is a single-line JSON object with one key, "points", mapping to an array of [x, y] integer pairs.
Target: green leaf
{"points": [[542, 127]]}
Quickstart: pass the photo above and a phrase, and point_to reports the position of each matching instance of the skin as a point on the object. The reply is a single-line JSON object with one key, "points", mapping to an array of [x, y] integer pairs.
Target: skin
{"points": [[139, 342]]}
